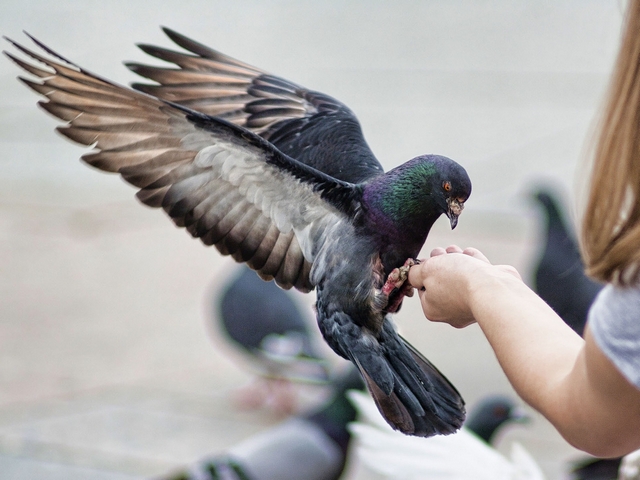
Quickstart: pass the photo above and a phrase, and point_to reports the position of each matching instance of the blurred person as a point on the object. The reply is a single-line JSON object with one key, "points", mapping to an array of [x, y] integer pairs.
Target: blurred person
{"points": [[588, 389]]}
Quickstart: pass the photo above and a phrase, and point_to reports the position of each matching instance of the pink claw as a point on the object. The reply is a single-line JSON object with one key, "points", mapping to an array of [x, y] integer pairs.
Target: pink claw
{"points": [[398, 281]]}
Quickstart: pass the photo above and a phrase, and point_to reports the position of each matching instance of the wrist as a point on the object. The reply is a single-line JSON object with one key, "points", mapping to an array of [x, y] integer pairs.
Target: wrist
{"points": [[488, 286]]}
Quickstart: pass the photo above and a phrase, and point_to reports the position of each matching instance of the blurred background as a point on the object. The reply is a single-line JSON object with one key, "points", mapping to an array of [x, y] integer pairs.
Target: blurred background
{"points": [[110, 368]]}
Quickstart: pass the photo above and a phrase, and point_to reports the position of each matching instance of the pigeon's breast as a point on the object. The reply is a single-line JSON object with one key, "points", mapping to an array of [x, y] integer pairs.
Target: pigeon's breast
{"points": [[348, 279]]}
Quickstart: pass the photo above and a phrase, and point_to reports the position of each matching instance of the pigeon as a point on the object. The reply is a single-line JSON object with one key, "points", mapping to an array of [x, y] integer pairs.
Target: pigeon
{"points": [[311, 447], [461, 456], [264, 322], [559, 277], [595, 469], [280, 178], [491, 413]]}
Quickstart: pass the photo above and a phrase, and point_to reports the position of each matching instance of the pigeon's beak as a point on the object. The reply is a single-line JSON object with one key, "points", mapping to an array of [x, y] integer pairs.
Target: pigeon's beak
{"points": [[454, 209]]}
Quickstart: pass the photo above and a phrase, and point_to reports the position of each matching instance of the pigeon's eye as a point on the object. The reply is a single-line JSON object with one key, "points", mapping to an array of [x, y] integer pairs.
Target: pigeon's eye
{"points": [[446, 186]]}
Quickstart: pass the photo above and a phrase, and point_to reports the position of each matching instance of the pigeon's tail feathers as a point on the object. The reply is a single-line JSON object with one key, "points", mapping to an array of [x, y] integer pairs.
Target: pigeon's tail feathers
{"points": [[389, 405], [448, 400], [409, 391], [444, 411]]}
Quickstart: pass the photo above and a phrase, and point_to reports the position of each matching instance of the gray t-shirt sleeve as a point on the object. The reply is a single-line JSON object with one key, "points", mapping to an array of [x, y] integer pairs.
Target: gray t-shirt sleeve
{"points": [[614, 321]]}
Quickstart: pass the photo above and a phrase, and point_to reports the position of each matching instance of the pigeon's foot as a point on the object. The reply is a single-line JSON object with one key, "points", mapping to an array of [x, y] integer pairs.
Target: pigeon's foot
{"points": [[397, 286], [398, 276]]}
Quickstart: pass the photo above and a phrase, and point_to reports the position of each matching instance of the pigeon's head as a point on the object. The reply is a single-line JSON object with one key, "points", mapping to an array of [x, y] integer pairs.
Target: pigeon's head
{"points": [[437, 183], [411, 197], [493, 412], [450, 185]]}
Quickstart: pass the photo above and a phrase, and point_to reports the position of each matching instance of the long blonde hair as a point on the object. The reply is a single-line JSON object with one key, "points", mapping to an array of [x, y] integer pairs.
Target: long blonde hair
{"points": [[611, 224]]}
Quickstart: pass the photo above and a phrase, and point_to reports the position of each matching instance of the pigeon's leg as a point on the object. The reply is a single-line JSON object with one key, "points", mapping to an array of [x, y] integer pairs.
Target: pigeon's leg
{"points": [[252, 396], [282, 397], [276, 394], [397, 286]]}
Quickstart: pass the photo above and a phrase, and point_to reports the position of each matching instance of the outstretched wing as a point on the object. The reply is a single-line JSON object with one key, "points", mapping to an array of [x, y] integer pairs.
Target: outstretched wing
{"points": [[309, 126], [224, 184]]}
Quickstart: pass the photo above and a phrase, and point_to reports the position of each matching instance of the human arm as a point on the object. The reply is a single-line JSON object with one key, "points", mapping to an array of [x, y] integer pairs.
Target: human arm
{"points": [[568, 379]]}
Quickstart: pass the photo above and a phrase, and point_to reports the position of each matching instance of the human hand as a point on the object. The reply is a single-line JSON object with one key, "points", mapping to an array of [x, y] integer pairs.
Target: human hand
{"points": [[446, 280]]}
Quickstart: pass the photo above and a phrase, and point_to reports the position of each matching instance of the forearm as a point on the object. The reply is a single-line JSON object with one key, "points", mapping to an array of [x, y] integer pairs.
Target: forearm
{"points": [[546, 364], [534, 347]]}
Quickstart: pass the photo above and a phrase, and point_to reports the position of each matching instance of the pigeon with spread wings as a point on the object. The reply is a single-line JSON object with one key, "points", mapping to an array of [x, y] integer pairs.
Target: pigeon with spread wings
{"points": [[289, 187]]}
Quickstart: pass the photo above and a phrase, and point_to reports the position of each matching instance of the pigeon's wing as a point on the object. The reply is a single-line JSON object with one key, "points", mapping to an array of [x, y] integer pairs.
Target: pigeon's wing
{"points": [[224, 184], [459, 456], [312, 127]]}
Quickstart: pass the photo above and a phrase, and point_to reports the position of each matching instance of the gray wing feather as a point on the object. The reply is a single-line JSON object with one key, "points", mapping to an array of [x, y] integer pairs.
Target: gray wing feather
{"points": [[218, 187]]}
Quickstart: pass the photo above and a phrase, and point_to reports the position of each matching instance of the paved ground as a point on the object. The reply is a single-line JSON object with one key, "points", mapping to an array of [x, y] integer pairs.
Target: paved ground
{"points": [[108, 368]]}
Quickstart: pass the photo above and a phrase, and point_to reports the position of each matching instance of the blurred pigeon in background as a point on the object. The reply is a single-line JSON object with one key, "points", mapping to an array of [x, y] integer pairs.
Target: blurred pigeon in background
{"points": [[559, 276], [624, 468], [308, 447], [595, 469], [491, 413], [464, 455], [264, 322]]}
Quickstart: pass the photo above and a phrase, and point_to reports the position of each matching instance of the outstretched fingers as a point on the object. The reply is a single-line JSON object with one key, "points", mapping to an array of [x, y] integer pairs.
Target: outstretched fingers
{"points": [[475, 253], [472, 252]]}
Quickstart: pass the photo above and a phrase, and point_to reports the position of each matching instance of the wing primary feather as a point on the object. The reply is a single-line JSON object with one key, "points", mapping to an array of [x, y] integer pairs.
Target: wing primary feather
{"points": [[261, 254], [278, 252], [187, 61], [239, 232], [202, 50]]}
